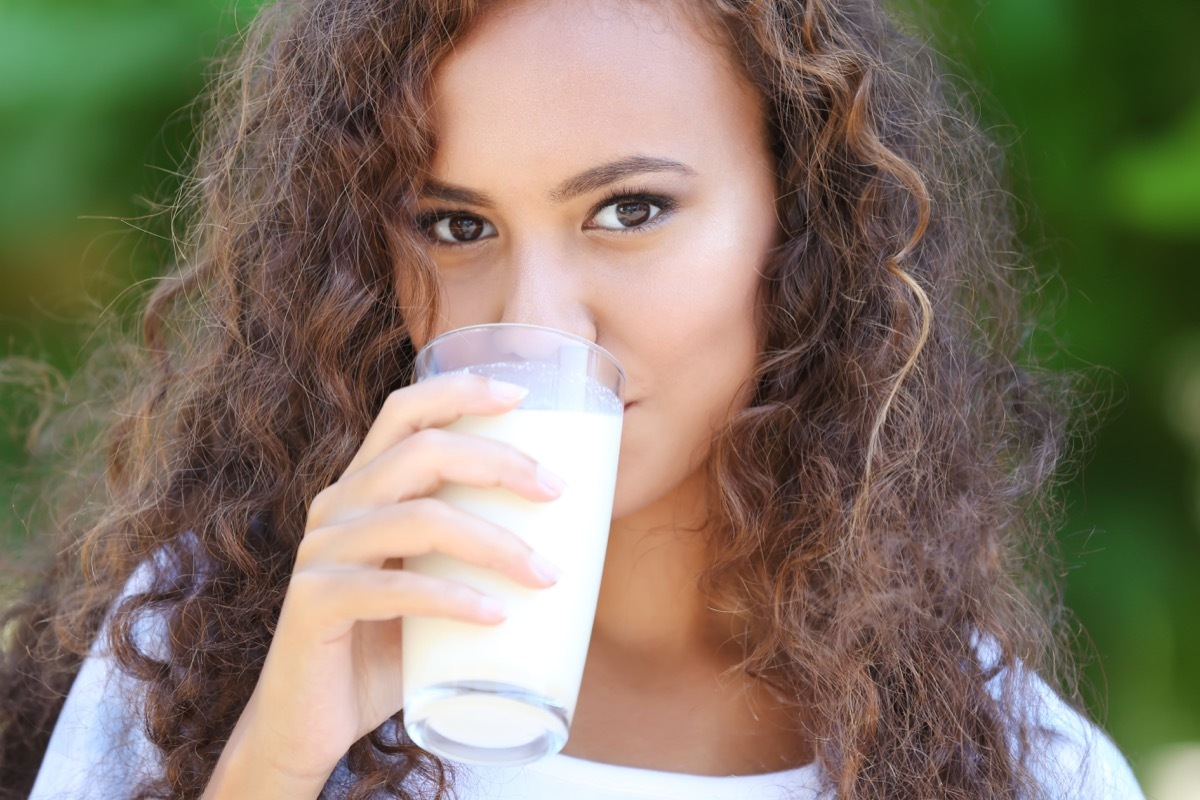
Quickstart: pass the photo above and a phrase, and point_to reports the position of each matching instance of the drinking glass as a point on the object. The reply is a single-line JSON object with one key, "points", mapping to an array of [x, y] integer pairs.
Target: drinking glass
{"points": [[505, 694]]}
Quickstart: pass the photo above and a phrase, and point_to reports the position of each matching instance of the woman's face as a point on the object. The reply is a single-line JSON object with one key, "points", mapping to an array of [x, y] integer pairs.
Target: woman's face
{"points": [[602, 168]]}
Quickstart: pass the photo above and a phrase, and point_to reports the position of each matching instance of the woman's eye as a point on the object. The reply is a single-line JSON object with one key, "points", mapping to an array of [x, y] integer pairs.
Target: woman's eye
{"points": [[458, 228], [626, 214]]}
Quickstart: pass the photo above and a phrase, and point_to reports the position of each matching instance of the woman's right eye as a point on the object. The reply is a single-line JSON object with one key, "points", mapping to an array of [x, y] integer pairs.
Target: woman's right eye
{"points": [[456, 228]]}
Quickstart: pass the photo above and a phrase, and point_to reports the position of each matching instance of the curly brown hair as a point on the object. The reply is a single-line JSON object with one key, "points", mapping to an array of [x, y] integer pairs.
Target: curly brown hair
{"points": [[881, 506]]}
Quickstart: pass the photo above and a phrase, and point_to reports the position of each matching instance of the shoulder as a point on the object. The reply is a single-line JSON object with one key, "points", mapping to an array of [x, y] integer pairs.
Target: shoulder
{"points": [[1069, 755], [98, 748]]}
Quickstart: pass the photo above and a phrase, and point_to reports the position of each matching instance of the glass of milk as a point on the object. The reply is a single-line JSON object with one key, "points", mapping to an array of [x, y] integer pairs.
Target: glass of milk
{"points": [[505, 694]]}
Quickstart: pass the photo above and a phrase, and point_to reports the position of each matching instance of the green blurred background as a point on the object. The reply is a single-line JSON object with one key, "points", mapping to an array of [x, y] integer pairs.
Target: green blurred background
{"points": [[1099, 104]]}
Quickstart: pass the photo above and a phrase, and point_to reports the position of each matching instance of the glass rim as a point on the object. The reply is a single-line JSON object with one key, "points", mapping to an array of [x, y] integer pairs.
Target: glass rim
{"points": [[424, 351]]}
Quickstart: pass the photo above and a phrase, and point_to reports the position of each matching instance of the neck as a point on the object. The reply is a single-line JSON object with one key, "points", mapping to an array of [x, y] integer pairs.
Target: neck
{"points": [[650, 603], [658, 691]]}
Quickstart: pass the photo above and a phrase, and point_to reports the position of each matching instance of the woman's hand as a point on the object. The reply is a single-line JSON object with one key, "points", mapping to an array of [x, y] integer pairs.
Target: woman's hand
{"points": [[332, 673]]}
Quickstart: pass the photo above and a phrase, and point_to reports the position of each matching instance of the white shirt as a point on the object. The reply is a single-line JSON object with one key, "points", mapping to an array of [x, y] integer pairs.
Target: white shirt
{"points": [[98, 752]]}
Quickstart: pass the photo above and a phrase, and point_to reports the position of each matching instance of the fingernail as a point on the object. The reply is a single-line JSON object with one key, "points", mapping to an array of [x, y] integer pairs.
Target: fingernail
{"points": [[544, 569], [549, 481], [491, 609], [508, 392]]}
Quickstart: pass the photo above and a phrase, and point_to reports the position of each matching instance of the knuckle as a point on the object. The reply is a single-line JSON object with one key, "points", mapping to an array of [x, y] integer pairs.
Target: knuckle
{"points": [[317, 540], [393, 401], [460, 597], [308, 545], [516, 557], [430, 512], [502, 560], [512, 463], [305, 586], [415, 591], [515, 458], [427, 440], [443, 528], [320, 506]]}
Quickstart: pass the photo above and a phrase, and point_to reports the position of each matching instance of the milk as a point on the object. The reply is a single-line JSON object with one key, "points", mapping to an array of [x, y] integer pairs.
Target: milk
{"points": [[541, 647]]}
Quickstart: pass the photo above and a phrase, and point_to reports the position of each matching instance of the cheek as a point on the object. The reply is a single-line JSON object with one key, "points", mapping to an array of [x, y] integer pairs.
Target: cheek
{"points": [[696, 345], [700, 291]]}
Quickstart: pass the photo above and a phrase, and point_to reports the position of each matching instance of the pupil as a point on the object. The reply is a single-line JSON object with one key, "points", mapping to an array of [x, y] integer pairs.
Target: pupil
{"points": [[630, 214], [465, 229]]}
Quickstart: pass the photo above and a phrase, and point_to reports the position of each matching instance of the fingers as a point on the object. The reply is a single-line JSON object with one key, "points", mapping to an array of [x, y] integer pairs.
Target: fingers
{"points": [[338, 598], [380, 510], [430, 404], [419, 527], [423, 463]]}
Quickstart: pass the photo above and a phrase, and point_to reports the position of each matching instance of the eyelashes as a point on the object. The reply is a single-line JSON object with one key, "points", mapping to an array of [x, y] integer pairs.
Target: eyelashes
{"points": [[458, 227], [619, 197]]}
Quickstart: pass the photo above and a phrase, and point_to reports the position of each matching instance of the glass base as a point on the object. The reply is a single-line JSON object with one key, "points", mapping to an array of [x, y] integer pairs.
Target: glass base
{"points": [[485, 722]]}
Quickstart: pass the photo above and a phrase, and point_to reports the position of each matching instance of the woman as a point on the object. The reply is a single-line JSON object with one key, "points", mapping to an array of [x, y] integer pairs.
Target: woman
{"points": [[818, 578]]}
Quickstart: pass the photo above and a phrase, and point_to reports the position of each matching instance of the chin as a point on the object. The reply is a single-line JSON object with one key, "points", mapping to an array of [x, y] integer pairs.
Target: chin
{"points": [[631, 494], [624, 503], [636, 493]]}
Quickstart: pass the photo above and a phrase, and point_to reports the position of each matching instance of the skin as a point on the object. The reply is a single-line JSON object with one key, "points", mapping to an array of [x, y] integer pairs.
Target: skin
{"points": [[535, 97]]}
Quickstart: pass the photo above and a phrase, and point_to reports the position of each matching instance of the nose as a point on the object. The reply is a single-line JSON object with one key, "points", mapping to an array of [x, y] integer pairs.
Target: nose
{"points": [[545, 288]]}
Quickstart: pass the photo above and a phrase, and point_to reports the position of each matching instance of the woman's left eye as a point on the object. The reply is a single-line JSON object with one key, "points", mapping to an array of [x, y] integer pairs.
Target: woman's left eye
{"points": [[627, 213]]}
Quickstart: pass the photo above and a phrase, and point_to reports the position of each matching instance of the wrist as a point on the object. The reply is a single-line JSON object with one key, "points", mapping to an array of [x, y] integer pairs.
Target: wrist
{"points": [[250, 767]]}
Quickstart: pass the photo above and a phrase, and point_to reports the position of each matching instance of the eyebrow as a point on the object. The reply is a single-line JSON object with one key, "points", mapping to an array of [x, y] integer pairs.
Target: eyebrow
{"points": [[587, 181]]}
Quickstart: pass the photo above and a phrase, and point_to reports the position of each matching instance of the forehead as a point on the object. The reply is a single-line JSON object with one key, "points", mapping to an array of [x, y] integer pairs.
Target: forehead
{"points": [[572, 80]]}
